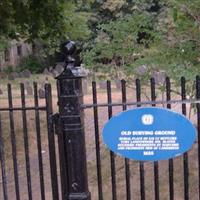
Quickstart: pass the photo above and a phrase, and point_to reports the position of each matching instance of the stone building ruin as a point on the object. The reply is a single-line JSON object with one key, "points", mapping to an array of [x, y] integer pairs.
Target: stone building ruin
{"points": [[14, 53]]}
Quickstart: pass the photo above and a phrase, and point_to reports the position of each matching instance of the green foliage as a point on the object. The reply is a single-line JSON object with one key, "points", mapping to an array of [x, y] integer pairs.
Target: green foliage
{"points": [[76, 27], [8, 69], [32, 64], [118, 35], [120, 42], [163, 35], [49, 22], [180, 52], [3, 44]]}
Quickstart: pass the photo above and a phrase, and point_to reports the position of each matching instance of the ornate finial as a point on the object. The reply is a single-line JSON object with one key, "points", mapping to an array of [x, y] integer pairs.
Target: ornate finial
{"points": [[72, 67], [72, 55]]}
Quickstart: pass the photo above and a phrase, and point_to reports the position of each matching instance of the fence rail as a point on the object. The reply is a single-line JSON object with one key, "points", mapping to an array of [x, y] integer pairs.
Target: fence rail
{"points": [[43, 108], [158, 102]]}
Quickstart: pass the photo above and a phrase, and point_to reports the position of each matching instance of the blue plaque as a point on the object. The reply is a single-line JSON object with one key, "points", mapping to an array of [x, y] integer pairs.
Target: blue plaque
{"points": [[149, 134]]}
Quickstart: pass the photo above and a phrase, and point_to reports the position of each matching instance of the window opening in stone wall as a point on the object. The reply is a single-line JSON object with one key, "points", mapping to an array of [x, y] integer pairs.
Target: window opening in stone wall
{"points": [[7, 55], [19, 50]]}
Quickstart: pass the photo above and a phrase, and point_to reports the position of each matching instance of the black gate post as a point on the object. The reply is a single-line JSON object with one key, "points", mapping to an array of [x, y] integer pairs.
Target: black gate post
{"points": [[70, 97]]}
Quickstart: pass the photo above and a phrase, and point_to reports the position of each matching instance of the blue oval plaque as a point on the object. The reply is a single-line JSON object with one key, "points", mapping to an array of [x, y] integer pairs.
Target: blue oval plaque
{"points": [[149, 134]]}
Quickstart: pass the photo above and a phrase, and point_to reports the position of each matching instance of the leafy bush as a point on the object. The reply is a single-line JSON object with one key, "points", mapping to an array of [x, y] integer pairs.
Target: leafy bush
{"points": [[33, 64]]}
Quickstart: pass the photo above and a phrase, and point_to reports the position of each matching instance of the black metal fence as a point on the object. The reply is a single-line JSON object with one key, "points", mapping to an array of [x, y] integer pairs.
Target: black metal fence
{"points": [[31, 117], [109, 176], [181, 176], [156, 175]]}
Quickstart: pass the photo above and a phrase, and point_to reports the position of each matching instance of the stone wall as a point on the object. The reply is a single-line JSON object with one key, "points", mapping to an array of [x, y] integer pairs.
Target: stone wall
{"points": [[16, 51]]}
